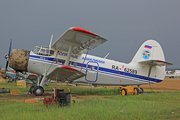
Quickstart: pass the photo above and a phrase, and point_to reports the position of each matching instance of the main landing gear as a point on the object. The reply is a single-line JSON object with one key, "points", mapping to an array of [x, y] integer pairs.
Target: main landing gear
{"points": [[37, 90], [130, 90]]}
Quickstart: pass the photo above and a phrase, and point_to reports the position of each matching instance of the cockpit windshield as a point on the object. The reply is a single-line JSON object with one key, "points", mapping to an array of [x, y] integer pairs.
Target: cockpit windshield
{"points": [[40, 50]]}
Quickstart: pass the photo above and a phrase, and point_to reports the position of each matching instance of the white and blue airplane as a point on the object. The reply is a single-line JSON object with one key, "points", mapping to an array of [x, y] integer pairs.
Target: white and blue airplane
{"points": [[65, 61]]}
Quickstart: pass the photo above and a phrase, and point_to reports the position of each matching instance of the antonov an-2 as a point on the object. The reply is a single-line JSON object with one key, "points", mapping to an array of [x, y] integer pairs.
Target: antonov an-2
{"points": [[65, 61]]}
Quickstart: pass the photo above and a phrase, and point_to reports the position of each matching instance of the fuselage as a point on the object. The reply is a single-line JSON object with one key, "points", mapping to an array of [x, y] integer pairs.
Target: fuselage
{"points": [[99, 71]]}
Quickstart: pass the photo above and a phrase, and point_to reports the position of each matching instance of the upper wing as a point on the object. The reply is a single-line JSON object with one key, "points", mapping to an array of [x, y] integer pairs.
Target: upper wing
{"points": [[156, 62], [80, 38], [65, 73]]}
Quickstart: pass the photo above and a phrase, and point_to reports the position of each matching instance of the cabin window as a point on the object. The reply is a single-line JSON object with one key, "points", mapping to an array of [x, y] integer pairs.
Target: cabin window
{"points": [[63, 61], [36, 50], [40, 50]]}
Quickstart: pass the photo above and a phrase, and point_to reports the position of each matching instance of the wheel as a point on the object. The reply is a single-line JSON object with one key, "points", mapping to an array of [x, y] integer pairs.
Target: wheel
{"points": [[31, 89], [123, 92], [38, 90], [136, 91]]}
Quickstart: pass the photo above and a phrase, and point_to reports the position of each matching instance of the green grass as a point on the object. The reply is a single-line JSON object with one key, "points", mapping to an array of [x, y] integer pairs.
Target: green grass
{"points": [[145, 107], [161, 105]]}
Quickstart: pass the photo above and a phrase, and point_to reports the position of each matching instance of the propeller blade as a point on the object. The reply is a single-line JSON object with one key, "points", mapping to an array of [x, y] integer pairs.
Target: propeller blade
{"points": [[10, 47], [9, 54], [7, 63]]}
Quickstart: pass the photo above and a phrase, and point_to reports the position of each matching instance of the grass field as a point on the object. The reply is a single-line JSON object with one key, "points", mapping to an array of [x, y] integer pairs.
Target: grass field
{"points": [[111, 105]]}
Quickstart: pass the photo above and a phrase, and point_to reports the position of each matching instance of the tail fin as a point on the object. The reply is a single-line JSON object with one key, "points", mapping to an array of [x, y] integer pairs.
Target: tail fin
{"points": [[151, 54], [149, 50]]}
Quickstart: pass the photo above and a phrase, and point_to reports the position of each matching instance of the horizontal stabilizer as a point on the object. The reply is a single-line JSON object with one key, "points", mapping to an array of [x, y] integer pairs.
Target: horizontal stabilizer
{"points": [[155, 62], [65, 73]]}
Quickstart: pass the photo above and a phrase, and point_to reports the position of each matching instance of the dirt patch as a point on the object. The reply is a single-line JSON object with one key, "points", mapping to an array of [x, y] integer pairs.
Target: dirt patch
{"points": [[166, 84]]}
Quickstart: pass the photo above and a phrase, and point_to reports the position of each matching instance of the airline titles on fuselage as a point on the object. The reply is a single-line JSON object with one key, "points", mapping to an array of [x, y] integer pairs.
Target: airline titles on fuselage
{"points": [[65, 54]]}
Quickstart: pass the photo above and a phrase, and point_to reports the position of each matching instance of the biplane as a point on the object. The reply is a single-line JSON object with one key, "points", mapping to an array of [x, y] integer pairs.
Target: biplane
{"points": [[68, 60]]}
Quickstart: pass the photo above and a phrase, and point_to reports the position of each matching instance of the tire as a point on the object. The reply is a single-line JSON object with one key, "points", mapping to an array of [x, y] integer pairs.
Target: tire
{"points": [[123, 92], [31, 89], [136, 91], [38, 90]]}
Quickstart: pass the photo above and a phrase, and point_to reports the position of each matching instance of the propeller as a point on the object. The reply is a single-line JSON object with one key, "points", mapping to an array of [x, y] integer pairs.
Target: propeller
{"points": [[7, 57]]}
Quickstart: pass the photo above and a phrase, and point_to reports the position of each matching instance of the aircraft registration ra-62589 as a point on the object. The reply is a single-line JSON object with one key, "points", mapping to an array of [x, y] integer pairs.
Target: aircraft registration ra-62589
{"points": [[65, 61]]}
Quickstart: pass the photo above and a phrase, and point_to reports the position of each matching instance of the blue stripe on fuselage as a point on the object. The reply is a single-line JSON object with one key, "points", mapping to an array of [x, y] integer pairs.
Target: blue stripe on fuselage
{"points": [[101, 69]]}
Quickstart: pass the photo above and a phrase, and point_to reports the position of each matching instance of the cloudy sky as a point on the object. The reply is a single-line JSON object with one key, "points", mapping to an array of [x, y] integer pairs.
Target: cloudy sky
{"points": [[125, 23]]}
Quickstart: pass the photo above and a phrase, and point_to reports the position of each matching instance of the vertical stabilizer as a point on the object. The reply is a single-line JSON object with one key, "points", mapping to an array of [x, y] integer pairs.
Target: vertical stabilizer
{"points": [[150, 60], [149, 50]]}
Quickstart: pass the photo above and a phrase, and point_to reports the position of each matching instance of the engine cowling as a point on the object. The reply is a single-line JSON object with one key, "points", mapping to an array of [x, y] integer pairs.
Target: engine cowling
{"points": [[19, 60]]}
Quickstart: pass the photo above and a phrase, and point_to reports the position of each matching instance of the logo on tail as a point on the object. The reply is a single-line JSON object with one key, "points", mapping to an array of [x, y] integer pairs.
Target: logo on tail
{"points": [[146, 54]]}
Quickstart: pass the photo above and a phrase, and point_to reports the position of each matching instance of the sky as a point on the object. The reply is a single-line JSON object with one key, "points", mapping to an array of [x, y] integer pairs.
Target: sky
{"points": [[126, 24]]}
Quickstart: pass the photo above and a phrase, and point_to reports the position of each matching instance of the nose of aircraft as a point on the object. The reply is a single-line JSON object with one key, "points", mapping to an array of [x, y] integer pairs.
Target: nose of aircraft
{"points": [[19, 59]]}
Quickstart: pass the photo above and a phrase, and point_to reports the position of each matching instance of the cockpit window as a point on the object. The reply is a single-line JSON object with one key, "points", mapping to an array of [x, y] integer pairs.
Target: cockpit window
{"points": [[36, 49], [43, 51]]}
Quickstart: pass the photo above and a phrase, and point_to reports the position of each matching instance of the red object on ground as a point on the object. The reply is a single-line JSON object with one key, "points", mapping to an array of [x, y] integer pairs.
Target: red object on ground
{"points": [[48, 101]]}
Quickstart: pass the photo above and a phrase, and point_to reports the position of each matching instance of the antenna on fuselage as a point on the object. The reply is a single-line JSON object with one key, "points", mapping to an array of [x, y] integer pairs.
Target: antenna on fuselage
{"points": [[106, 56]]}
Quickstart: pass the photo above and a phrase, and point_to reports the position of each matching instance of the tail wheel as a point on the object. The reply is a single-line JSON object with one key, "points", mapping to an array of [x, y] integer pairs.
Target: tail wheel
{"points": [[136, 91], [123, 92], [38, 90]]}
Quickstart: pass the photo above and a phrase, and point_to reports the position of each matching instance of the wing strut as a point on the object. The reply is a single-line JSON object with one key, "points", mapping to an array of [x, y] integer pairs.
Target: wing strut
{"points": [[71, 45], [68, 55], [84, 58]]}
